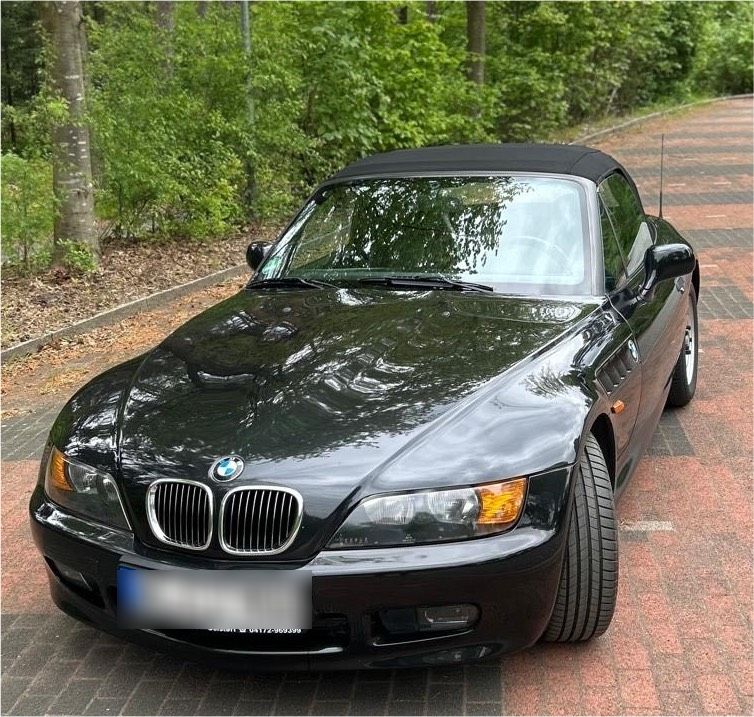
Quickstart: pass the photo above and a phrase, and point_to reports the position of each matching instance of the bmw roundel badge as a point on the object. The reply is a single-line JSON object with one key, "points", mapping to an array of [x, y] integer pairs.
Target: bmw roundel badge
{"points": [[226, 468]]}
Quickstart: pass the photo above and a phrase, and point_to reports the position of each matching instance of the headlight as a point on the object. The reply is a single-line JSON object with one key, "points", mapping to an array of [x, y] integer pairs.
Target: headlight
{"points": [[433, 516], [84, 490]]}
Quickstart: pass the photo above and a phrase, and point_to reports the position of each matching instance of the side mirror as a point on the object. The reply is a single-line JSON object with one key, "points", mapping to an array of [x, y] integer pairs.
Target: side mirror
{"points": [[667, 261], [256, 252]]}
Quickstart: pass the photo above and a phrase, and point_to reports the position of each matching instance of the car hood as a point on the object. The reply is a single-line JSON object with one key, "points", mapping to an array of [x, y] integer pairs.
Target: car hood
{"points": [[321, 384]]}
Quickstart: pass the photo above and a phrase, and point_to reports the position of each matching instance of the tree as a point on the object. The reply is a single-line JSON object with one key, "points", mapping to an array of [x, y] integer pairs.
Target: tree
{"points": [[165, 20], [250, 191], [71, 159], [475, 40], [165, 16]]}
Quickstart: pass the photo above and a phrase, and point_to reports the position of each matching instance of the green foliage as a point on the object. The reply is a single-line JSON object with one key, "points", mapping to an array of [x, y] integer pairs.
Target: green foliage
{"points": [[373, 84], [21, 55], [558, 63], [278, 147], [175, 152], [77, 256], [723, 63], [28, 211], [166, 156], [26, 125]]}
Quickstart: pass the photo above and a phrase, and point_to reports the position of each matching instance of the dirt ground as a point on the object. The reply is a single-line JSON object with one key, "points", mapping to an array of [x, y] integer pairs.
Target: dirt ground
{"points": [[35, 305]]}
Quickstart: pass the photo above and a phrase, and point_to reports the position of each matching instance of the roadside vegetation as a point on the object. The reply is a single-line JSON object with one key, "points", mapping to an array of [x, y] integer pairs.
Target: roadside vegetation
{"points": [[169, 124]]}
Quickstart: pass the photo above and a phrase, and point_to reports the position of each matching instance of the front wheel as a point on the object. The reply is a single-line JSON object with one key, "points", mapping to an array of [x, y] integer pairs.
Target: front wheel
{"points": [[589, 580], [683, 383]]}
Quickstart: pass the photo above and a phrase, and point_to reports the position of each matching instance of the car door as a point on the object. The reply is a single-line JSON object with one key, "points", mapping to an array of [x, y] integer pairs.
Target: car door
{"points": [[652, 318], [619, 372]]}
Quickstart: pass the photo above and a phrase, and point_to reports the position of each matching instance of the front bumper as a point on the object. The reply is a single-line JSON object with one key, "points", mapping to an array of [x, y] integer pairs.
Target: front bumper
{"points": [[511, 578]]}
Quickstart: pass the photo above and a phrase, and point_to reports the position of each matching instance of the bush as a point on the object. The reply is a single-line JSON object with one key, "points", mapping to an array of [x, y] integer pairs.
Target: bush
{"points": [[28, 211], [373, 84], [723, 62], [165, 160]]}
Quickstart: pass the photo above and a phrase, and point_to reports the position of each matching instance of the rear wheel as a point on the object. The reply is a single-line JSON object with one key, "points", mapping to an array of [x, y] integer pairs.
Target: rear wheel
{"points": [[589, 581], [683, 383]]}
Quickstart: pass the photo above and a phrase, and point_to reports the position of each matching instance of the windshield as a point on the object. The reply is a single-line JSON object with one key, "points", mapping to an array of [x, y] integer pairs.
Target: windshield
{"points": [[524, 235]]}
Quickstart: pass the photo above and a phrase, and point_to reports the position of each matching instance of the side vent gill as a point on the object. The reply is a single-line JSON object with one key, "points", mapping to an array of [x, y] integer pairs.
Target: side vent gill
{"points": [[616, 369]]}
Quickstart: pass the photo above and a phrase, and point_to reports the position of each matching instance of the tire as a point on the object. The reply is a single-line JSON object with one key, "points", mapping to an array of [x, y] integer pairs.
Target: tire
{"points": [[683, 382], [588, 585]]}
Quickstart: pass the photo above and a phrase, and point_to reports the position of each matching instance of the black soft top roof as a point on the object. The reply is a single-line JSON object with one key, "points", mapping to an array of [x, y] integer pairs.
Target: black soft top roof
{"points": [[555, 158]]}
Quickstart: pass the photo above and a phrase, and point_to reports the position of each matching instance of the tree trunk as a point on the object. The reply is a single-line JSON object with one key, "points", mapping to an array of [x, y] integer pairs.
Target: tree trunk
{"points": [[475, 34], [246, 38], [165, 16], [431, 6], [8, 98], [165, 20], [251, 182], [71, 159], [201, 8], [401, 14]]}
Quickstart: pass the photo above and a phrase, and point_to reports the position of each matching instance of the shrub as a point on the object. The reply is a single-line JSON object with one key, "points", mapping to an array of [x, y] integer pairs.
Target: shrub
{"points": [[723, 62], [166, 157], [28, 211]]}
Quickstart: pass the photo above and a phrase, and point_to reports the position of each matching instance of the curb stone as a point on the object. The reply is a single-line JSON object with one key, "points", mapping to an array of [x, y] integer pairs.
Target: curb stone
{"points": [[153, 301]]}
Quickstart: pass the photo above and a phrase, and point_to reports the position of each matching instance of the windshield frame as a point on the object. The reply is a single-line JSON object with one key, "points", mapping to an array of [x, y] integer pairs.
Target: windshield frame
{"points": [[593, 246]]}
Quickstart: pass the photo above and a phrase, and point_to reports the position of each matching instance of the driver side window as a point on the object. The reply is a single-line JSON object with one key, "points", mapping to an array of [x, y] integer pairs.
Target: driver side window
{"points": [[615, 269], [624, 223], [623, 210]]}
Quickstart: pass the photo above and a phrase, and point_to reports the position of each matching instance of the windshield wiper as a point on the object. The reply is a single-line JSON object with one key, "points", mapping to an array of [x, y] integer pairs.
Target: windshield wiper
{"points": [[289, 282], [424, 282]]}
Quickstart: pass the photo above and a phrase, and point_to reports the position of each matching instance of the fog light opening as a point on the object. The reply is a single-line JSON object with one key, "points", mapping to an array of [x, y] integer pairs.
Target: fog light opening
{"points": [[447, 617], [407, 621], [70, 575], [74, 576]]}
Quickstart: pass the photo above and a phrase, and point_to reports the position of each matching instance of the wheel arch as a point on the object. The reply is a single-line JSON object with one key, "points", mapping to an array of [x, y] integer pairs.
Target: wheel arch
{"points": [[695, 279], [602, 430]]}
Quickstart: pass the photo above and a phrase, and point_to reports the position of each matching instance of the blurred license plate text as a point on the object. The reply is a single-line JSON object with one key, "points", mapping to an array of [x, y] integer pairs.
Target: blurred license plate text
{"points": [[232, 600]]}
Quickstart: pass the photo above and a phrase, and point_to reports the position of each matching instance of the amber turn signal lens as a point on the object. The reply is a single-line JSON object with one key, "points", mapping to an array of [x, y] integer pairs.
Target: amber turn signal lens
{"points": [[500, 503], [56, 471]]}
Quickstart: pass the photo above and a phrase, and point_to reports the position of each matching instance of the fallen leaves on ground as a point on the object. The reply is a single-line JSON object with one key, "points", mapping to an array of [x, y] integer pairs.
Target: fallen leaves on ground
{"points": [[36, 305], [57, 370], [61, 381]]}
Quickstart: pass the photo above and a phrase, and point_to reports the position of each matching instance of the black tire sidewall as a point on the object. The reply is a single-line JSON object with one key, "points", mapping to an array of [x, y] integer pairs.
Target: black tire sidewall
{"points": [[591, 524]]}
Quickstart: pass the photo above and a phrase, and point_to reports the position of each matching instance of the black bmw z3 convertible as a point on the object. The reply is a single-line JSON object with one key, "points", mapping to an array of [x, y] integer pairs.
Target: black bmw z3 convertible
{"points": [[400, 443]]}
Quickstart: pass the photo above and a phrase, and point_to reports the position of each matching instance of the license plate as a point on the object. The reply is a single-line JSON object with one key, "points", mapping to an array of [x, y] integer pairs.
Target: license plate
{"points": [[232, 600]]}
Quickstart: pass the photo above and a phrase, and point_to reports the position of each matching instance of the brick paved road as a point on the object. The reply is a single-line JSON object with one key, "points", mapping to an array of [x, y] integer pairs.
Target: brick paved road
{"points": [[681, 641]]}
